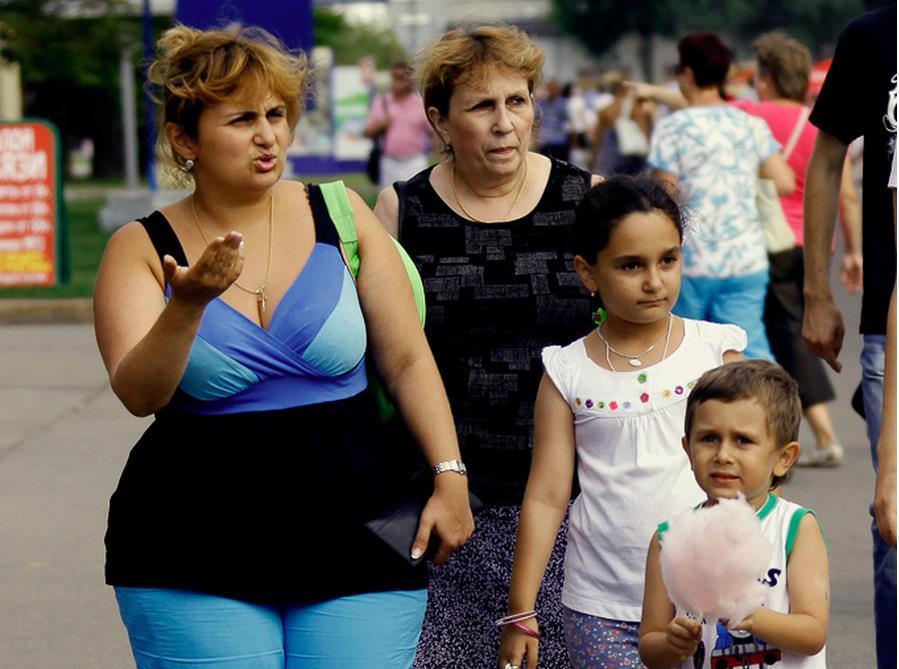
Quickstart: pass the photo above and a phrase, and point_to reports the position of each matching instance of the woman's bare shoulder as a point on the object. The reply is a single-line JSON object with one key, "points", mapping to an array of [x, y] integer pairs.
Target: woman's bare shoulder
{"points": [[387, 210], [130, 249]]}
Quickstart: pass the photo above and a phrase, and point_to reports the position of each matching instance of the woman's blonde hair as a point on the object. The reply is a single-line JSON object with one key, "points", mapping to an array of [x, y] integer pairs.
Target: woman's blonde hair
{"points": [[787, 61], [463, 55], [195, 69]]}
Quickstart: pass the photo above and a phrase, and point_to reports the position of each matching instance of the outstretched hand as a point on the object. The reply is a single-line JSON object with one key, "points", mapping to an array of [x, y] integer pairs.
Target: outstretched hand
{"points": [[212, 274], [638, 88]]}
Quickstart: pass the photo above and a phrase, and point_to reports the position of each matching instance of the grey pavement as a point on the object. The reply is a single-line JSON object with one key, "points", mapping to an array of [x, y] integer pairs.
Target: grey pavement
{"points": [[64, 439]]}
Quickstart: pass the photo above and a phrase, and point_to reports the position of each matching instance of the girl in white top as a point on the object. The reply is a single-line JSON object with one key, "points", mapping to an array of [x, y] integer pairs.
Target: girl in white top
{"points": [[612, 403]]}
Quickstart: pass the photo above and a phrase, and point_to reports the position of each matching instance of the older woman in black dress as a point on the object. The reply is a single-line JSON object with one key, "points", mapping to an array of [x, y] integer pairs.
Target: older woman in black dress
{"points": [[488, 228]]}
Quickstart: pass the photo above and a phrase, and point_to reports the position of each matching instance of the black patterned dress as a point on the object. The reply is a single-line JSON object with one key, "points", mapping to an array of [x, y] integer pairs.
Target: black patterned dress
{"points": [[497, 293]]}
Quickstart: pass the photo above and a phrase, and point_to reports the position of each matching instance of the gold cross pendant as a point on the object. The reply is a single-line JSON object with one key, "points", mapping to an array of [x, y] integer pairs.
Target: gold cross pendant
{"points": [[260, 304]]}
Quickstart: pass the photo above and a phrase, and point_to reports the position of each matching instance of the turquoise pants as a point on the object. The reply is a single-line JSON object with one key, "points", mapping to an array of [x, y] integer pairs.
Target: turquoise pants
{"points": [[177, 629]]}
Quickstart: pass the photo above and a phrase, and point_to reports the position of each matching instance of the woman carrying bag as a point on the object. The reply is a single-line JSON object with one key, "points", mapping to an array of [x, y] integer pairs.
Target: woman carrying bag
{"points": [[781, 82]]}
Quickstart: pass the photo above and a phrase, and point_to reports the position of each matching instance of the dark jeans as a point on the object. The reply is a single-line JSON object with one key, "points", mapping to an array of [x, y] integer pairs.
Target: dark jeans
{"points": [[884, 555]]}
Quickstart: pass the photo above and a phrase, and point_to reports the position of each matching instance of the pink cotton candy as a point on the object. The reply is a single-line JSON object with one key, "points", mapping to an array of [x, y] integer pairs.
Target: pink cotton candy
{"points": [[713, 559]]}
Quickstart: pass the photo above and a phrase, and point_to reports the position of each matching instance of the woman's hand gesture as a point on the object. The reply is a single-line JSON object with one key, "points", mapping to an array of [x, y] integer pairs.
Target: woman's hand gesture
{"points": [[212, 274]]}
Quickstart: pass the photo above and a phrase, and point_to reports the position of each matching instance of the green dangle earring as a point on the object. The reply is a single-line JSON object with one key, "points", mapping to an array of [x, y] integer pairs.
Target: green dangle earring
{"points": [[599, 316]]}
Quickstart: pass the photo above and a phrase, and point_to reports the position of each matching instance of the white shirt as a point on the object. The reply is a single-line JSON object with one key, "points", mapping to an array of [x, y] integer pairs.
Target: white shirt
{"points": [[631, 467], [715, 152]]}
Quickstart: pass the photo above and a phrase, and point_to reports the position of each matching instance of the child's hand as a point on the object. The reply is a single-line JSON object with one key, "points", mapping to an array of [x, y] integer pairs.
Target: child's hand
{"points": [[683, 636], [744, 625], [516, 646]]}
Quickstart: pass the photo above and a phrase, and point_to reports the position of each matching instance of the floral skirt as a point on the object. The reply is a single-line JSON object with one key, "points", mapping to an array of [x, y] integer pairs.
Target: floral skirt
{"points": [[471, 591]]}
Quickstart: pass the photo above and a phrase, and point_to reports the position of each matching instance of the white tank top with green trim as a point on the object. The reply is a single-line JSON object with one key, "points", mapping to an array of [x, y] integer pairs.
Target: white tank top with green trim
{"points": [[721, 648]]}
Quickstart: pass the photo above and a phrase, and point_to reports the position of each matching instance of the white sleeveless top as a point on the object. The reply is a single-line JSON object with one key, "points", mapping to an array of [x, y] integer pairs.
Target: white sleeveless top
{"points": [[724, 648], [632, 469]]}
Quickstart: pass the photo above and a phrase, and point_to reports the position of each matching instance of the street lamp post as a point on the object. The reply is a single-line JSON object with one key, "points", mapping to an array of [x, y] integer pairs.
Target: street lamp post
{"points": [[129, 122]]}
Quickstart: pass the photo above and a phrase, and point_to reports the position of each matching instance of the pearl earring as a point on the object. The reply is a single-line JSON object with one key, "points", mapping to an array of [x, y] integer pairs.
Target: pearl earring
{"points": [[188, 164]]}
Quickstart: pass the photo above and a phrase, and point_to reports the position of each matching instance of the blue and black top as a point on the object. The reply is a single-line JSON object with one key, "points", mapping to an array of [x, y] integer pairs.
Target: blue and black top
{"points": [[256, 478]]}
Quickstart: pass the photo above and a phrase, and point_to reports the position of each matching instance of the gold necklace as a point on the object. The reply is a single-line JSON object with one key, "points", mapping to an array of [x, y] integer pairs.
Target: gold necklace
{"points": [[259, 292], [508, 211]]}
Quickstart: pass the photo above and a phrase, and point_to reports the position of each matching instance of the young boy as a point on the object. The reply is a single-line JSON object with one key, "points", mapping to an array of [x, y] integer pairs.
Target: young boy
{"points": [[742, 422]]}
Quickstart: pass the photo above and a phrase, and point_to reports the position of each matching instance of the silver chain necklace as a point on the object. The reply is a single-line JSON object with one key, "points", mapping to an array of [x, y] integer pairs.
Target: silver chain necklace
{"points": [[633, 359]]}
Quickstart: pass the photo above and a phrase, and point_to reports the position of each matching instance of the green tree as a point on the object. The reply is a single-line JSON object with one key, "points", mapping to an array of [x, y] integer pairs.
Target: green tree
{"points": [[600, 23], [351, 42], [69, 59], [69, 53], [816, 23], [50, 42]]}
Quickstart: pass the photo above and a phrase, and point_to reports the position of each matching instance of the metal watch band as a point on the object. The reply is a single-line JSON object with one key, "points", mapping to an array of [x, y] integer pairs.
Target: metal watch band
{"points": [[450, 466]]}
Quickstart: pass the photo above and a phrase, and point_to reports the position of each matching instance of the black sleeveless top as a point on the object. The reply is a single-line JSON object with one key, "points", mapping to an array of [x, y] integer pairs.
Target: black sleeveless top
{"points": [[267, 505], [497, 293]]}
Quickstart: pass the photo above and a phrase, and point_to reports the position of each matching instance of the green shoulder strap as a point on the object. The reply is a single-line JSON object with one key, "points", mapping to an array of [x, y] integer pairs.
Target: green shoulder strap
{"points": [[341, 212]]}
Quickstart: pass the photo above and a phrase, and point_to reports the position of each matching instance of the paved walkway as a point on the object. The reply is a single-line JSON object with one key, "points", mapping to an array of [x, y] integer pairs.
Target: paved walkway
{"points": [[64, 439]]}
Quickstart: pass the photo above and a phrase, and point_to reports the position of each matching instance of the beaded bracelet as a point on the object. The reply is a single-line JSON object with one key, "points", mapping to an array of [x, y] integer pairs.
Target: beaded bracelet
{"points": [[524, 629], [515, 618]]}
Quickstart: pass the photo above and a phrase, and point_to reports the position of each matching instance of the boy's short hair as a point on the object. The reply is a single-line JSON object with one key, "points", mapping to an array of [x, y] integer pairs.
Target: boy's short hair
{"points": [[759, 380]]}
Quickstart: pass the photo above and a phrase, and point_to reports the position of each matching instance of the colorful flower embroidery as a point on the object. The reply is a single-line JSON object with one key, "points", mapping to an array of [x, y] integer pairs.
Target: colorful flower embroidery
{"points": [[679, 390], [589, 404], [644, 398], [666, 394], [577, 401], [613, 405], [626, 405], [641, 378], [601, 405]]}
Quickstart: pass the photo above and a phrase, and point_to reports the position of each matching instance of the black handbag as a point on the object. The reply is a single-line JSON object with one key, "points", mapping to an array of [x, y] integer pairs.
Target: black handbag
{"points": [[397, 523], [373, 166]]}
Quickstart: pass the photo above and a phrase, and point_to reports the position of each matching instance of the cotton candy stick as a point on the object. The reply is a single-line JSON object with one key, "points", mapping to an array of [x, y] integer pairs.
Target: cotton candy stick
{"points": [[713, 560]]}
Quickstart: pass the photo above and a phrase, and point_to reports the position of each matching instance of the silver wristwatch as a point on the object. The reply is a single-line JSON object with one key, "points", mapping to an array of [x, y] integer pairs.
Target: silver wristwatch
{"points": [[450, 466]]}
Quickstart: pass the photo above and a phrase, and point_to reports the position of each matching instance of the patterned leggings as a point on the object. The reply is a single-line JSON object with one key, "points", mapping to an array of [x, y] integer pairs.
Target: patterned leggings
{"points": [[599, 643]]}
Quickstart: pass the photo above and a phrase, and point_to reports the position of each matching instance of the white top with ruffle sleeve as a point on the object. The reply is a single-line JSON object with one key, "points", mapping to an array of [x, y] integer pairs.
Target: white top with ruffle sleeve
{"points": [[632, 469]]}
